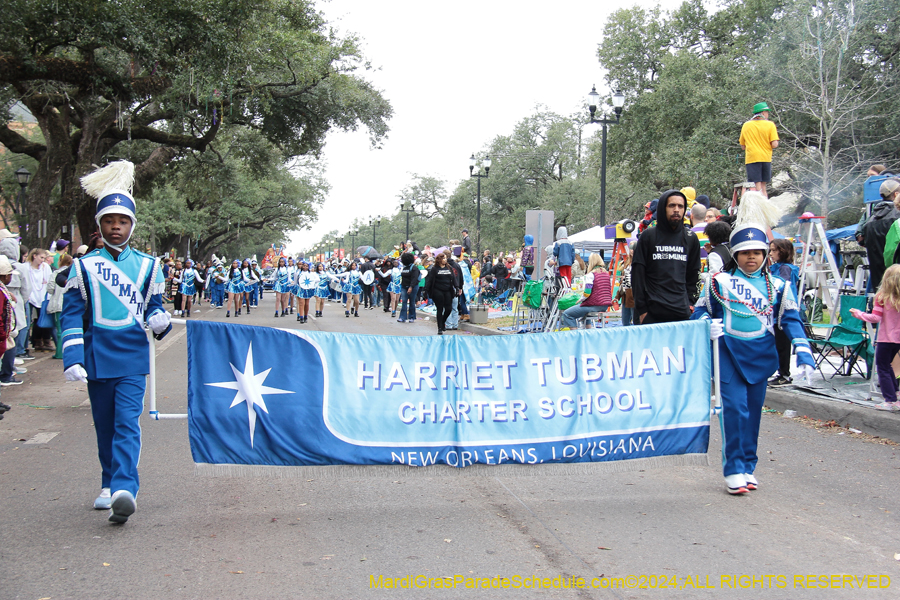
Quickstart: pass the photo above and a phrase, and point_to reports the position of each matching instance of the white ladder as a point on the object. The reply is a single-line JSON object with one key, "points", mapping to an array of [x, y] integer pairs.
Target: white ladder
{"points": [[823, 264]]}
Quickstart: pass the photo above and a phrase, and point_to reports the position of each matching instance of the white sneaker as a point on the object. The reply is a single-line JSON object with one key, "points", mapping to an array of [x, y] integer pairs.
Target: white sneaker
{"points": [[736, 484], [19, 361], [889, 406], [122, 506], [752, 483], [104, 500]]}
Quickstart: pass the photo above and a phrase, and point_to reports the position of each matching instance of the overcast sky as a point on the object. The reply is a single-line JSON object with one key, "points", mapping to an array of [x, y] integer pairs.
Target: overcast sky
{"points": [[457, 75]]}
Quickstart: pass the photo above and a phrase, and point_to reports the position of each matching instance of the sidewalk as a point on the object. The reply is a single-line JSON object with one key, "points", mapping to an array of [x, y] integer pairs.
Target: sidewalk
{"points": [[844, 413]]}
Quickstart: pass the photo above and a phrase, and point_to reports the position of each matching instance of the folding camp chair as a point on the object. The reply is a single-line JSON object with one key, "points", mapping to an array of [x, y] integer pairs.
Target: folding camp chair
{"points": [[847, 339]]}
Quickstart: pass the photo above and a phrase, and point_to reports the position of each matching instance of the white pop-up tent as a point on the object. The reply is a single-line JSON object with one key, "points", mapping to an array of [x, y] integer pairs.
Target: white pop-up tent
{"points": [[593, 240]]}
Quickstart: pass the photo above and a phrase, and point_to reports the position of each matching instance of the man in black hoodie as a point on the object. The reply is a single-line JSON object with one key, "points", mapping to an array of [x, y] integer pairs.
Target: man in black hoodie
{"points": [[666, 265]]}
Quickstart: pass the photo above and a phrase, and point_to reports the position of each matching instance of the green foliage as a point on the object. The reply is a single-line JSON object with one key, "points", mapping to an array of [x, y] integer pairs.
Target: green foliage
{"points": [[167, 77], [691, 77], [231, 204]]}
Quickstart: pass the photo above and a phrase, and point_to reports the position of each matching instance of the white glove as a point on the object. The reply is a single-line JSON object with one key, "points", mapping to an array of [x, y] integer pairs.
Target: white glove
{"points": [[716, 330], [76, 373], [806, 372], [159, 321]]}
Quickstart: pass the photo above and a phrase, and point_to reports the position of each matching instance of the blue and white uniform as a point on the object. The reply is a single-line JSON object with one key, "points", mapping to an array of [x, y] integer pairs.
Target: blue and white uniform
{"points": [[293, 270], [322, 287], [106, 303], [351, 282], [219, 278], [235, 282], [306, 284], [188, 277], [395, 286], [282, 280], [751, 306]]}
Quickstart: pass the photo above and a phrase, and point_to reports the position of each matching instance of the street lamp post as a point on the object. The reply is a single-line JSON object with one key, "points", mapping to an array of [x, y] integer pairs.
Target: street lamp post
{"points": [[352, 233], [618, 100], [487, 169], [340, 245], [23, 176], [374, 222], [407, 207]]}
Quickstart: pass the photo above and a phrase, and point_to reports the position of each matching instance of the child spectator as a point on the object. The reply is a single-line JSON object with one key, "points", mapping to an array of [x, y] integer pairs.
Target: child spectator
{"points": [[886, 310], [564, 253]]}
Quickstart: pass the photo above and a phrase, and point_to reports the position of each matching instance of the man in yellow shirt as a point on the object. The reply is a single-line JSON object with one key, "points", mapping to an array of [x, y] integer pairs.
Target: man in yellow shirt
{"points": [[758, 138]]}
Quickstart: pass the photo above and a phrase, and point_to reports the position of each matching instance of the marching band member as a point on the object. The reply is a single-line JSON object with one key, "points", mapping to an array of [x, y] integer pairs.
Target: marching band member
{"points": [[305, 288], [282, 287], [187, 288], [235, 287], [292, 278], [111, 292], [249, 280], [322, 288], [752, 303], [219, 277], [352, 288]]}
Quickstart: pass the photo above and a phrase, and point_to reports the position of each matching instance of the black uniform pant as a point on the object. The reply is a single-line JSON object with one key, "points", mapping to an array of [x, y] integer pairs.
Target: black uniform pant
{"points": [[443, 302]]}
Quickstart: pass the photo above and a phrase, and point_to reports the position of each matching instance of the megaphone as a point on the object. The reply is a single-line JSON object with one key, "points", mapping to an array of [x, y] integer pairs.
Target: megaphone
{"points": [[624, 228]]}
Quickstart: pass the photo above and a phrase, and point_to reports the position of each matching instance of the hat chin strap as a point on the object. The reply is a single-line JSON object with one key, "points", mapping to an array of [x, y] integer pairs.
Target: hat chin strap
{"points": [[120, 247]]}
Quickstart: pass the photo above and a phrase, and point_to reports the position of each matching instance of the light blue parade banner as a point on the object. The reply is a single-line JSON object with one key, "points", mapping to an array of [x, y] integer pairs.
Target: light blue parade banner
{"points": [[264, 396]]}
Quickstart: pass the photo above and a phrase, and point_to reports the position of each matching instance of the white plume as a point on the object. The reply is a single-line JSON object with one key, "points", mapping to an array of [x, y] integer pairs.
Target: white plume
{"points": [[756, 208], [117, 175]]}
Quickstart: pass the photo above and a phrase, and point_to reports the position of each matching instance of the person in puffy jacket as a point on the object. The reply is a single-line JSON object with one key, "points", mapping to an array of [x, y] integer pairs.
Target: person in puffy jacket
{"points": [[598, 299], [564, 252]]}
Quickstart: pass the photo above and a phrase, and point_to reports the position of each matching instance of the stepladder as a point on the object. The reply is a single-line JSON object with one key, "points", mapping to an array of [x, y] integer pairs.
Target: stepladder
{"points": [[818, 269]]}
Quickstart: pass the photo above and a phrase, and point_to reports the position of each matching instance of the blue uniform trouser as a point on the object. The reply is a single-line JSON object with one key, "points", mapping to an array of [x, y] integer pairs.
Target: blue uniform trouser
{"points": [[742, 404], [116, 405], [218, 294], [254, 295]]}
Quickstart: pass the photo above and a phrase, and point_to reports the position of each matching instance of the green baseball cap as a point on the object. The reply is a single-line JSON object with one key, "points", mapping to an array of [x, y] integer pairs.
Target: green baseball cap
{"points": [[760, 107]]}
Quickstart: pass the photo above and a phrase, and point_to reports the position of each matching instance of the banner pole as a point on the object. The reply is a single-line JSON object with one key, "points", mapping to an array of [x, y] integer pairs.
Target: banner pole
{"points": [[151, 383], [151, 378], [717, 387]]}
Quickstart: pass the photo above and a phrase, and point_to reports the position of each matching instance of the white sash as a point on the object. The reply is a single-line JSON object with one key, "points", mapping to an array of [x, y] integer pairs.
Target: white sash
{"points": [[117, 283]]}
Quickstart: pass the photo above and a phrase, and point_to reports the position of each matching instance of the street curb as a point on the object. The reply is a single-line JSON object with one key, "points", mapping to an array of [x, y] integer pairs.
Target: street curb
{"points": [[845, 414], [479, 330]]}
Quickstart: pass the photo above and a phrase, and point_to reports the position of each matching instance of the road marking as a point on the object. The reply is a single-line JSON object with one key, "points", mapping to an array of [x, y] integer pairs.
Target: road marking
{"points": [[87, 402], [43, 438], [170, 339]]}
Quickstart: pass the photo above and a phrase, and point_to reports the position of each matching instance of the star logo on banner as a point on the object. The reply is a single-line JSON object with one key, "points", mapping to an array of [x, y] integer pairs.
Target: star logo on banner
{"points": [[250, 389], [307, 281]]}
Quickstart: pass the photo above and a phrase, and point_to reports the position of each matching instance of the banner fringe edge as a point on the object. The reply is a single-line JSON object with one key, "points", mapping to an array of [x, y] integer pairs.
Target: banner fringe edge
{"points": [[476, 470]]}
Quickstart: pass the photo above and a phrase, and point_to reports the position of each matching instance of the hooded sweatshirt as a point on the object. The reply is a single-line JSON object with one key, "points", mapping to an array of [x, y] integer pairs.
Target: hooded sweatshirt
{"points": [[666, 267], [20, 284], [875, 234], [563, 250]]}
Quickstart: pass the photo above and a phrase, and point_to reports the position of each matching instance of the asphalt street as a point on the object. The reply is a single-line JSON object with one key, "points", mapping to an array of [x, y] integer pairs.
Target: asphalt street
{"points": [[823, 523]]}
